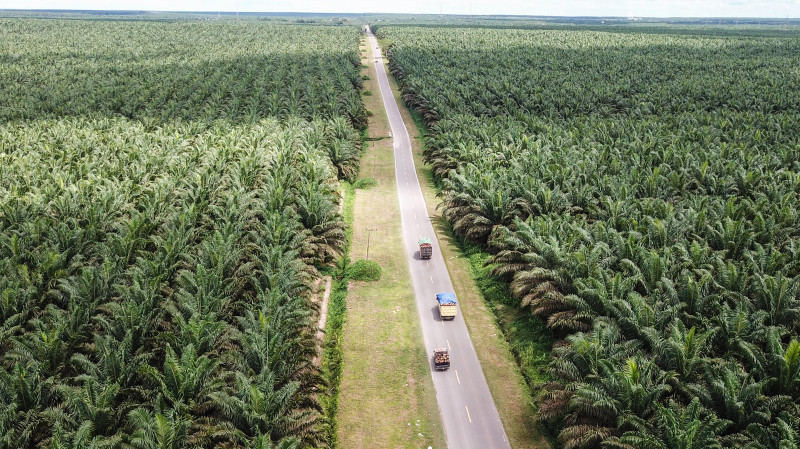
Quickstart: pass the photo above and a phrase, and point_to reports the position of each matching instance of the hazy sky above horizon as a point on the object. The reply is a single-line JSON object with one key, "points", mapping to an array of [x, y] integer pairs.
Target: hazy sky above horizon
{"points": [[624, 8]]}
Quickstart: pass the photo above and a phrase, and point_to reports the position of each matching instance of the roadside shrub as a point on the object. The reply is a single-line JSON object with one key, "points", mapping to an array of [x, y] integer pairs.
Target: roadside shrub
{"points": [[365, 183], [364, 270]]}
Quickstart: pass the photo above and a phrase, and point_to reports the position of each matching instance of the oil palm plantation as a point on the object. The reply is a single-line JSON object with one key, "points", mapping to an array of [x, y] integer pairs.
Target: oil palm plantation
{"points": [[160, 230], [648, 219]]}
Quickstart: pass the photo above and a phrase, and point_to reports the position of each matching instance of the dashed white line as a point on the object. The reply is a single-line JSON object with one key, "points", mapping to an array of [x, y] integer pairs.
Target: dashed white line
{"points": [[411, 186]]}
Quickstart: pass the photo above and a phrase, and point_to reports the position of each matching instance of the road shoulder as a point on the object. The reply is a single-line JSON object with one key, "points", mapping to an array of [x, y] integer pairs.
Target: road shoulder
{"points": [[387, 399], [509, 390]]}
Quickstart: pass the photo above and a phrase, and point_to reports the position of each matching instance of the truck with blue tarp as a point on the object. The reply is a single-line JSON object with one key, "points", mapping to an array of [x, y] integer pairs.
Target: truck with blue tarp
{"points": [[448, 306]]}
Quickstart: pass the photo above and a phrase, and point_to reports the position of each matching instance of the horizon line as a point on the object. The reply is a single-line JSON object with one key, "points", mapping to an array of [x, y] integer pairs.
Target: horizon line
{"points": [[224, 11]]}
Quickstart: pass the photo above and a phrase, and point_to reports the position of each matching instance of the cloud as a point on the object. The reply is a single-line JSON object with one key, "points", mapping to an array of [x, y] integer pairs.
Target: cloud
{"points": [[624, 8]]}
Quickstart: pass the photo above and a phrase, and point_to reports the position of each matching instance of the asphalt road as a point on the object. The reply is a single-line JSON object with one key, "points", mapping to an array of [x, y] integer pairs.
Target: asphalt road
{"points": [[468, 412]]}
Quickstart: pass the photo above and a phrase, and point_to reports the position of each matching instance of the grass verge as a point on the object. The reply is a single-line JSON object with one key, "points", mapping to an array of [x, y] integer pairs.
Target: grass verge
{"points": [[498, 331], [337, 309], [386, 395]]}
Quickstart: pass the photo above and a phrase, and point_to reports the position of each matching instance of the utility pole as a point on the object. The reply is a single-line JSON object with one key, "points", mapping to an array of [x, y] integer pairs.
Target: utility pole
{"points": [[369, 231]]}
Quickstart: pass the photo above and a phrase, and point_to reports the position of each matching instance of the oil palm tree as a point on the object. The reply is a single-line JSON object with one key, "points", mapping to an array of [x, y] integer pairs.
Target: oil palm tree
{"points": [[167, 430], [475, 202], [673, 427]]}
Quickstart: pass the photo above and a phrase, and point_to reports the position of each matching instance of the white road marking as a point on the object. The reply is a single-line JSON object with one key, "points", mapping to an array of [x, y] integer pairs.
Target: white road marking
{"points": [[431, 279], [448, 346], [400, 144]]}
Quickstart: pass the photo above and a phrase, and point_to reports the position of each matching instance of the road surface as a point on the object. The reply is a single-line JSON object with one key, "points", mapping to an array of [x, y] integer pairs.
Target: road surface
{"points": [[468, 412]]}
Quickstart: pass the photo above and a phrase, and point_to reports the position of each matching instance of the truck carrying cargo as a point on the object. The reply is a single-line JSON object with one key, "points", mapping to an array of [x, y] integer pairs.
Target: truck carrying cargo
{"points": [[448, 307], [425, 248], [441, 359]]}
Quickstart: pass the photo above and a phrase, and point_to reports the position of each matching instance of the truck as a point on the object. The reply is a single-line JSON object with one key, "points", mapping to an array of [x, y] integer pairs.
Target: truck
{"points": [[448, 306], [441, 359], [425, 248]]}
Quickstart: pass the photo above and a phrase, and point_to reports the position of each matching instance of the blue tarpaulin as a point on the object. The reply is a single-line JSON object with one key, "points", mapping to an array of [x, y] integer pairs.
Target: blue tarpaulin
{"points": [[446, 298]]}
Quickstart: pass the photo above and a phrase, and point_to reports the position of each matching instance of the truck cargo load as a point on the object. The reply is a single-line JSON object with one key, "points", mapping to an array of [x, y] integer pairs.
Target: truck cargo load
{"points": [[441, 359], [425, 248], [448, 306]]}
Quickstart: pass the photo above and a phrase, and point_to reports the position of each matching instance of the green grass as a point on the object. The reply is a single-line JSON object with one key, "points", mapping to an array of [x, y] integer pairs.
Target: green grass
{"points": [[528, 336], [530, 340], [419, 122], [337, 311], [490, 313], [364, 270], [386, 394], [365, 183]]}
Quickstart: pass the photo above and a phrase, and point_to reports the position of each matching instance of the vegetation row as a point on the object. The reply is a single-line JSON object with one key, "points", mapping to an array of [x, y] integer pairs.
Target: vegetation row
{"points": [[156, 71], [161, 227], [639, 194]]}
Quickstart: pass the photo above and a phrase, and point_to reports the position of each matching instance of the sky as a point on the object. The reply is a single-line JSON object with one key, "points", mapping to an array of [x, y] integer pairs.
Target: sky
{"points": [[623, 8]]}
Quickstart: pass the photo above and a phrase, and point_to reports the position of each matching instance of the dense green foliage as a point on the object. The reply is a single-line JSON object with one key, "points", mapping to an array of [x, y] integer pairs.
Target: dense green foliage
{"points": [[526, 333], [238, 71], [640, 193], [161, 226], [364, 270], [334, 328], [364, 183]]}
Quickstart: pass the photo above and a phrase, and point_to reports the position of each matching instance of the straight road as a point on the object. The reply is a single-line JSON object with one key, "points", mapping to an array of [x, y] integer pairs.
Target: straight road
{"points": [[468, 412]]}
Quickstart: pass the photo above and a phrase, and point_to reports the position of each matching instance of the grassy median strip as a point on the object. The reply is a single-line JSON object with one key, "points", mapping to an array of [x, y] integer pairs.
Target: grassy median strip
{"points": [[386, 397], [509, 390]]}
